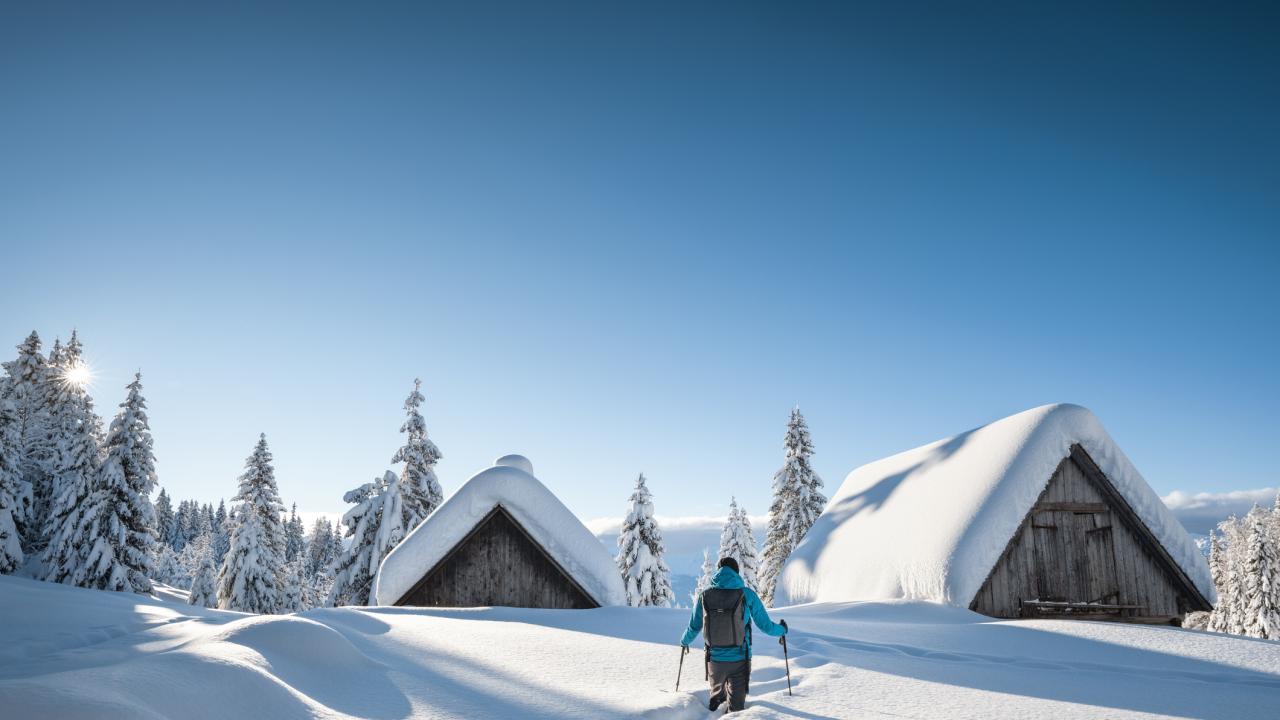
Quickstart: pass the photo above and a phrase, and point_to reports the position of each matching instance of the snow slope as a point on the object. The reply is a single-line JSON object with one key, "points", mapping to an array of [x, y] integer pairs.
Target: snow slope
{"points": [[511, 484], [939, 516], [72, 653]]}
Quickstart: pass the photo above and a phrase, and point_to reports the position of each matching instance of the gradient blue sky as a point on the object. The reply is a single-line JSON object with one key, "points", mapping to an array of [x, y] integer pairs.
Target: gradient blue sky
{"points": [[630, 238]]}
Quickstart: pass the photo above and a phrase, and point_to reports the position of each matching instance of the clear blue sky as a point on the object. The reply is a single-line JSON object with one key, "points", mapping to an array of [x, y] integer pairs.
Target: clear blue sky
{"points": [[621, 239]]}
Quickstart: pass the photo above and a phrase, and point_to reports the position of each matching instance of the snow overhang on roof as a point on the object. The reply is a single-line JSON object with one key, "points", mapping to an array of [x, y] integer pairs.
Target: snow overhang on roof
{"points": [[511, 484], [932, 522]]}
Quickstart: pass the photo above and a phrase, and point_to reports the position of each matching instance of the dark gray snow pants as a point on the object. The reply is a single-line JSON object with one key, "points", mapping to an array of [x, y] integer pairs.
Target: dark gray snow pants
{"points": [[729, 681]]}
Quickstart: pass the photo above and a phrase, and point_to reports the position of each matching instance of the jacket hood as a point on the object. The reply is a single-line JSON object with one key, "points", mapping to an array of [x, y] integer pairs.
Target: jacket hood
{"points": [[726, 579]]}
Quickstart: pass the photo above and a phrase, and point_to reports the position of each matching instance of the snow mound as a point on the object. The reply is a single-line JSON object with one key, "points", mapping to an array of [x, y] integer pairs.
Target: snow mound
{"points": [[287, 640], [516, 461], [511, 484], [930, 523]]}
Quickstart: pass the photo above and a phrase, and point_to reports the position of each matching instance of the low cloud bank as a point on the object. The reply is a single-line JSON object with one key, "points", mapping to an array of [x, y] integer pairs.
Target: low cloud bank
{"points": [[1201, 512]]}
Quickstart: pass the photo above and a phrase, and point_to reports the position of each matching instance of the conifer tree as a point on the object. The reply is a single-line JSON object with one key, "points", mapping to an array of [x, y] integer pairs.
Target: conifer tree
{"points": [[1216, 572], [164, 517], [319, 555], [166, 567], [193, 554], [221, 534], [251, 578], [419, 486], [737, 542], [204, 588], [76, 456], [293, 599], [644, 572], [375, 526], [15, 493], [797, 503], [28, 390], [708, 572], [1262, 585], [294, 536], [57, 356], [116, 526]]}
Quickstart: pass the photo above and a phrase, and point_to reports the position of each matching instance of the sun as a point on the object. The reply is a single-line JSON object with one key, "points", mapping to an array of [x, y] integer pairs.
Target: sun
{"points": [[80, 375]]}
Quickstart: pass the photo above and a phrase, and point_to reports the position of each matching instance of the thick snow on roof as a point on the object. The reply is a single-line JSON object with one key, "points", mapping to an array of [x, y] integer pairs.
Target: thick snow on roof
{"points": [[511, 484], [932, 522]]}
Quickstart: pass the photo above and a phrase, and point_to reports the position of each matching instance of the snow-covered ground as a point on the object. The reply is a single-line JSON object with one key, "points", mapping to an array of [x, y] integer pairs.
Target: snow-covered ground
{"points": [[72, 653]]}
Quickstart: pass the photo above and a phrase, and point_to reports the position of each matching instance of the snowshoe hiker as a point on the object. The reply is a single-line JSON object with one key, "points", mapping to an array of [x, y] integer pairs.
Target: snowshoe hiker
{"points": [[723, 614]]}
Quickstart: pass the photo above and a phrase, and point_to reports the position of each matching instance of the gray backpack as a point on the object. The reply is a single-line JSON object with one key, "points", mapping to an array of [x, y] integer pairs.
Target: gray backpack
{"points": [[723, 619]]}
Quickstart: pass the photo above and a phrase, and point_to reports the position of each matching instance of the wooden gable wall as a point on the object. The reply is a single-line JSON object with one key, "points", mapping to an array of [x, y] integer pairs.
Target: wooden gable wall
{"points": [[497, 564], [1083, 552]]}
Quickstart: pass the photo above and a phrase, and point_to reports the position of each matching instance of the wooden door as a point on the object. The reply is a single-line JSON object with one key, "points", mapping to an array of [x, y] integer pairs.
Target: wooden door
{"points": [[1103, 584], [1050, 554]]}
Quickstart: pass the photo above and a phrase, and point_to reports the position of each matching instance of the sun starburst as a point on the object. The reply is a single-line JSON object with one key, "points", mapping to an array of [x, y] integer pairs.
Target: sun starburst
{"points": [[79, 375]]}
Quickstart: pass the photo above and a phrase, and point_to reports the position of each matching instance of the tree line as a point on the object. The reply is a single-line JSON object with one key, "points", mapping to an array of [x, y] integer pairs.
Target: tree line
{"points": [[1244, 561], [76, 508]]}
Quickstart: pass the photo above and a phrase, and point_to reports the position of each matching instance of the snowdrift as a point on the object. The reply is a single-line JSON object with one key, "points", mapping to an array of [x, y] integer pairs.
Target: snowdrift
{"points": [[72, 653], [930, 523]]}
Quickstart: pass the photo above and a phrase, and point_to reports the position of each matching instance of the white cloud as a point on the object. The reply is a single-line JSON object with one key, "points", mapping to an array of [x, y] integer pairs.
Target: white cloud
{"points": [[1201, 512]]}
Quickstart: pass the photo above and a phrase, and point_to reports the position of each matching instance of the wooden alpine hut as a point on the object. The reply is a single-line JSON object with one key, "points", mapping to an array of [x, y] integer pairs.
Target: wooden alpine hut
{"points": [[503, 539], [1036, 515]]}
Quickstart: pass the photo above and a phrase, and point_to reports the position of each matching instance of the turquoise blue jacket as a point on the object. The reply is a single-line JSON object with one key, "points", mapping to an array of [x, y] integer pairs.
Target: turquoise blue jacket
{"points": [[727, 579]]}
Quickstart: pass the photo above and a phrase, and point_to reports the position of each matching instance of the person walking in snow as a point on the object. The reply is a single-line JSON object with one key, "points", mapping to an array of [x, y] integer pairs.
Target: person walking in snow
{"points": [[723, 614]]}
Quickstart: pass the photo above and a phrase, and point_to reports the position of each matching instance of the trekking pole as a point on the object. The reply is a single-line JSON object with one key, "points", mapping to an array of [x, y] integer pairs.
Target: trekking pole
{"points": [[787, 660], [684, 650]]}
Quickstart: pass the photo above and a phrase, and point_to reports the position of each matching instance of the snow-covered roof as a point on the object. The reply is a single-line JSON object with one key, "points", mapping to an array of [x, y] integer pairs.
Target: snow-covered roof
{"points": [[511, 484], [932, 522]]}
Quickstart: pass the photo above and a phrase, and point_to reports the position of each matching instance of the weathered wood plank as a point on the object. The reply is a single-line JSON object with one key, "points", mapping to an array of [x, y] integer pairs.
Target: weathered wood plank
{"points": [[1073, 507]]}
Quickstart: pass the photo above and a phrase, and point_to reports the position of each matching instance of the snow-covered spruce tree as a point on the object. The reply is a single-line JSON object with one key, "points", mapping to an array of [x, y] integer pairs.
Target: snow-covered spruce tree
{"points": [[193, 554], [116, 525], [164, 517], [294, 536], [15, 493], [204, 584], [708, 572], [76, 457], [1230, 607], [375, 526], [293, 598], [797, 503], [181, 532], [1262, 581], [1214, 621], [737, 542], [251, 578], [323, 547], [644, 572], [28, 389], [166, 567], [221, 534], [320, 547], [419, 486]]}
